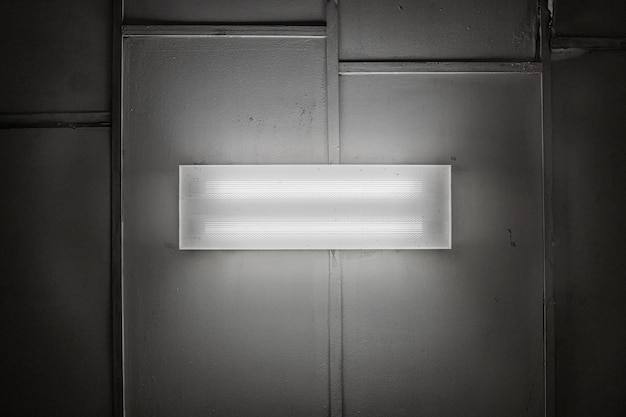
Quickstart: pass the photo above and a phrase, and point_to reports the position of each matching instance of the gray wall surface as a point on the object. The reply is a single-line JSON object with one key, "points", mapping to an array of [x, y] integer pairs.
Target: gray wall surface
{"points": [[488, 30], [223, 11], [56, 56], [220, 333], [588, 107], [590, 220], [55, 296], [594, 18], [454, 332], [55, 288], [245, 333]]}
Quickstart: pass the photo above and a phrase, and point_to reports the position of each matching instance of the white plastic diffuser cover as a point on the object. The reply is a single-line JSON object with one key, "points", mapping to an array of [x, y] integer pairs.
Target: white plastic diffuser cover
{"points": [[314, 207]]}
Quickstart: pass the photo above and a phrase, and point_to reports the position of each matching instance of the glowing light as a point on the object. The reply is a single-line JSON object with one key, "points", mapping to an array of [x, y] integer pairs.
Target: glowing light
{"points": [[314, 207]]}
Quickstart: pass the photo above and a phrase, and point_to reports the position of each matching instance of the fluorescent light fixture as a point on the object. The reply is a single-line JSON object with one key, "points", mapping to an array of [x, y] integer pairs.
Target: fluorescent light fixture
{"points": [[314, 207]]}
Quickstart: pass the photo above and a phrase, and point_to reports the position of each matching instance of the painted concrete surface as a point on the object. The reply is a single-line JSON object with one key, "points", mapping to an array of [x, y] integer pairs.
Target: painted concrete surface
{"points": [[207, 331], [589, 213], [239, 333], [489, 30], [451, 332], [55, 291], [595, 18], [224, 11], [56, 56]]}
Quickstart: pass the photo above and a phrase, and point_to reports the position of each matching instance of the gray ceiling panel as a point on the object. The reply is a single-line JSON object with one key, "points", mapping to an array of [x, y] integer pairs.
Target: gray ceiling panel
{"points": [[224, 11], [238, 333], [56, 56], [438, 30], [454, 332], [595, 18], [55, 291], [590, 221]]}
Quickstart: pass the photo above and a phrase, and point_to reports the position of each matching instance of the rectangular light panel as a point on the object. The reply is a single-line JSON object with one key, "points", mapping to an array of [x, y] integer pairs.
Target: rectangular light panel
{"points": [[314, 207]]}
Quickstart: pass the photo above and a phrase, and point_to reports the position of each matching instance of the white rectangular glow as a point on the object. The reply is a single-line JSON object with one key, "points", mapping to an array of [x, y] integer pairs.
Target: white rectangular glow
{"points": [[314, 207]]}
